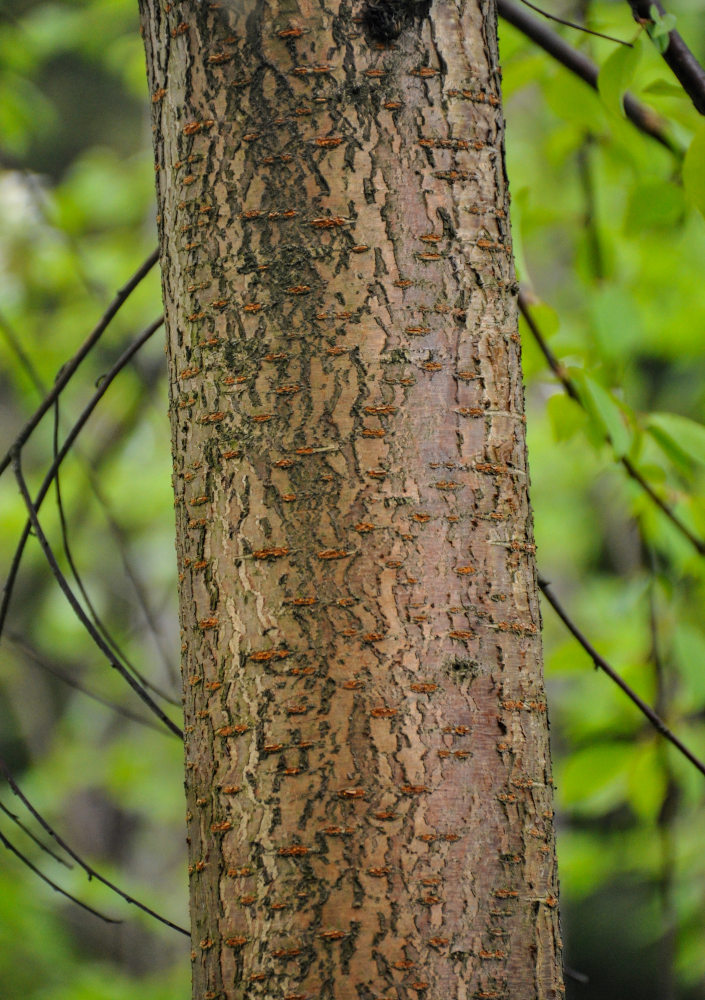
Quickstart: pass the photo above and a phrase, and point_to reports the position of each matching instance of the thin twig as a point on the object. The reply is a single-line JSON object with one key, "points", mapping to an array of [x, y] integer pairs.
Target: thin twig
{"points": [[97, 620], [88, 869], [57, 888], [667, 815], [68, 553], [28, 833], [631, 470], [138, 585], [645, 119], [596, 256], [578, 27], [14, 342], [122, 361], [78, 610], [600, 662], [71, 366], [34, 657], [11, 579]]}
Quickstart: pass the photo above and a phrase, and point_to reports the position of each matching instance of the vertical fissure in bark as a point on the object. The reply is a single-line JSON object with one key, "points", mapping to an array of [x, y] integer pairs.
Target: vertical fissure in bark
{"points": [[367, 767]]}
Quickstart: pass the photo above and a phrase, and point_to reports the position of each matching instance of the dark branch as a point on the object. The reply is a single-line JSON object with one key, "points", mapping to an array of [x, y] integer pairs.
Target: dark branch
{"points": [[88, 869], [57, 888], [697, 543], [68, 553], [677, 56], [71, 366], [553, 362], [80, 613], [599, 661], [646, 120], [28, 833], [631, 470]]}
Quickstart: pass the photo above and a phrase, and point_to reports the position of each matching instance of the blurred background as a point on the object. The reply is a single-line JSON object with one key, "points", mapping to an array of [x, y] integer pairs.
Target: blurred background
{"points": [[610, 248]]}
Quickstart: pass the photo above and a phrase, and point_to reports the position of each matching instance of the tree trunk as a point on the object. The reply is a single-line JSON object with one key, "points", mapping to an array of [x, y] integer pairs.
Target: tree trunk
{"points": [[367, 765]]}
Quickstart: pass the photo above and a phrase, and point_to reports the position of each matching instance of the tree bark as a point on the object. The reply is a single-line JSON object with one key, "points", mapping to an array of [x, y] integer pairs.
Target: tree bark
{"points": [[367, 764]]}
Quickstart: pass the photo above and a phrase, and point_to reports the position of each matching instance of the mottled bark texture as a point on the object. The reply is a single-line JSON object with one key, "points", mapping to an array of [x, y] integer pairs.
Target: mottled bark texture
{"points": [[368, 777]]}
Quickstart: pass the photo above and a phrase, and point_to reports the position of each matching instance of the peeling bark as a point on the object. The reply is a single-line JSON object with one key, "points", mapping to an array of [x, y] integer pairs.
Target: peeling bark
{"points": [[367, 765]]}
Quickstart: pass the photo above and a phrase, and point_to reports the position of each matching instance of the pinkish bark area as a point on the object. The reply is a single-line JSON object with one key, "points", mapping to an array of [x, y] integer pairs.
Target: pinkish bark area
{"points": [[368, 776]]}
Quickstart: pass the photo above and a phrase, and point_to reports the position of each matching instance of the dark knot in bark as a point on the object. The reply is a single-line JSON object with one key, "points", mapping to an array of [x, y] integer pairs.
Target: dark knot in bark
{"points": [[384, 20]]}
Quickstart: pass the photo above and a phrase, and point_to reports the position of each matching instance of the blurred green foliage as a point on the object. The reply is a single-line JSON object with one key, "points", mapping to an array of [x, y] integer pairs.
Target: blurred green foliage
{"points": [[610, 244]]}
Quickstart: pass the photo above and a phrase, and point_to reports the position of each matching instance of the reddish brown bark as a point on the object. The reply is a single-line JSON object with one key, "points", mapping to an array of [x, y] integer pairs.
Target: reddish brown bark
{"points": [[368, 778]]}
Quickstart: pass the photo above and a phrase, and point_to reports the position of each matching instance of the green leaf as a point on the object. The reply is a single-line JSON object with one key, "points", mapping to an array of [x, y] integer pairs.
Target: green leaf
{"points": [[664, 88], [617, 325], [593, 779], [604, 410], [678, 436], [654, 205], [646, 783], [586, 861], [574, 102], [616, 74], [694, 170], [520, 200], [660, 28], [689, 652], [546, 318], [662, 23], [566, 416]]}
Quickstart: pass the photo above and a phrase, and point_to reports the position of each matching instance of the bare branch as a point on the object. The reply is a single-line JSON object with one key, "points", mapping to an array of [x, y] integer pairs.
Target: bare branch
{"points": [[28, 833], [88, 869], [97, 620], [14, 341], [15, 344], [124, 358], [600, 662], [71, 366], [142, 597], [57, 888], [34, 657]]}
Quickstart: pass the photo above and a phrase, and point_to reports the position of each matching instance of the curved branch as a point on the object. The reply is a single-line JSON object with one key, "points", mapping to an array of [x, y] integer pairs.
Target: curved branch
{"points": [[14, 342], [78, 579], [28, 833]]}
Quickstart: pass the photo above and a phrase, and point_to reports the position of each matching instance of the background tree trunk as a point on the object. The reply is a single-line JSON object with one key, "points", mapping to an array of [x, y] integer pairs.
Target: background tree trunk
{"points": [[368, 776]]}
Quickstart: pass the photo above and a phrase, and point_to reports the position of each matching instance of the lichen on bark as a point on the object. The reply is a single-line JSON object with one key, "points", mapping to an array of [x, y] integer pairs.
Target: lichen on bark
{"points": [[368, 776]]}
